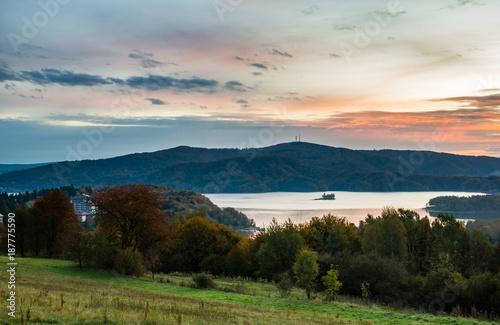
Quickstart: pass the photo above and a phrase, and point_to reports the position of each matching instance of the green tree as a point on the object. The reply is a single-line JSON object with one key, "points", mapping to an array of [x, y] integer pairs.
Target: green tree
{"points": [[306, 269], [332, 283], [451, 237], [204, 245], [386, 236], [482, 251], [418, 237], [81, 247], [330, 234], [279, 249]]}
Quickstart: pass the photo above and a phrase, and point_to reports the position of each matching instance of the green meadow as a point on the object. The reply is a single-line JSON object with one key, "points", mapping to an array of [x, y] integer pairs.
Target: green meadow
{"points": [[56, 292]]}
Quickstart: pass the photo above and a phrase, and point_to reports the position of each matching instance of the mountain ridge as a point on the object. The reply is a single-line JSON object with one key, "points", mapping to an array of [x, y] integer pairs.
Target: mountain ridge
{"points": [[292, 166]]}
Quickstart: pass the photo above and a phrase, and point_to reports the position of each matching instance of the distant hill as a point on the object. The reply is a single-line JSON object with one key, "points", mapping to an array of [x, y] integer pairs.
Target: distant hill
{"points": [[295, 166], [6, 168]]}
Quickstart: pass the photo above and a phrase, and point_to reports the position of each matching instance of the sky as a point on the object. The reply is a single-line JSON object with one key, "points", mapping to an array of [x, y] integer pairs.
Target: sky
{"points": [[95, 79]]}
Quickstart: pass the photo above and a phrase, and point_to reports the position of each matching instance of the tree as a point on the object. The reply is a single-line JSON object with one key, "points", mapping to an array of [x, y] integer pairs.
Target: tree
{"points": [[129, 214], [22, 230], [81, 247], [330, 234], [386, 236], [152, 260], [451, 236], [242, 259], [482, 251], [204, 245], [279, 249], [332, 283], [55, 222], [418, 237], [306, 269]]}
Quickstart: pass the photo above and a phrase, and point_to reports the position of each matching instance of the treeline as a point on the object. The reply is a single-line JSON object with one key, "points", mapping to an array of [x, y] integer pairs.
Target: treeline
{"points": [[490, 227], [473, 203], [399, 258], [9, 202]]}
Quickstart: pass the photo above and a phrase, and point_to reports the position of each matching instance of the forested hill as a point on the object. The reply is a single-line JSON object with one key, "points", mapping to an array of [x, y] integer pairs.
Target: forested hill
{"points": [[295, 166], [6, 168]]}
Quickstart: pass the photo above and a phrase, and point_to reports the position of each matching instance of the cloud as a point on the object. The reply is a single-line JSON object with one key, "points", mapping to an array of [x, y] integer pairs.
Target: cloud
{"points": [[259, 65], [344, 27], [61, 77], [7, 75], [258, 74], [310, 11], [157, 82], [68, 78], [145, 58], [276, 52], [155, 101], [238, 58], [386, 13], [241, 101], [474, 101], [150, 63], [235, 86]]}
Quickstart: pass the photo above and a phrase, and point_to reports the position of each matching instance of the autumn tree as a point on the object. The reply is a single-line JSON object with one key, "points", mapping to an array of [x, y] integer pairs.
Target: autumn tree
{"points": [[204, 245], [54, 222], [242, 259], [129, 215]]}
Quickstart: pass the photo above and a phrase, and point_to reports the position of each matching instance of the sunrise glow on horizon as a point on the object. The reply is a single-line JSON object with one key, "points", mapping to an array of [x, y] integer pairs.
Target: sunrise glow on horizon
{"points": [[159, 74]]}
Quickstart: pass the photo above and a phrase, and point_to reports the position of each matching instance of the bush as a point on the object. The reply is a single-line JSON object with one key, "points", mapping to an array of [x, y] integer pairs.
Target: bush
{"points": [[331, 283], [203, 281], [284, 284], [387, 277], [129, 262], [483, 293]]}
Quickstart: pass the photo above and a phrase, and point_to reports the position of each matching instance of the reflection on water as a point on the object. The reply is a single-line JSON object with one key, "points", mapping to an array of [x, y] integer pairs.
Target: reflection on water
{"points": [[263, 217], [301, 207]]}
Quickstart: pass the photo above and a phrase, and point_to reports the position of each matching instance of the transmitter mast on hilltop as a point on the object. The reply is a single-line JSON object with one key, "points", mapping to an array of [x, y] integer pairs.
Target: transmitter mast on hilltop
{"points": [[297, 140]]}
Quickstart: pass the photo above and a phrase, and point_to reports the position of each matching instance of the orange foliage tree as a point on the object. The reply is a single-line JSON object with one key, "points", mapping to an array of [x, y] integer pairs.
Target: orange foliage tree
{"points": [[129, 215], [56, 221]]}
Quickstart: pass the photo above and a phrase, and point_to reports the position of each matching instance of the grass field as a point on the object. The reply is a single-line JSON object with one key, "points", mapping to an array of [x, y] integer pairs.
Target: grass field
{"points": [[55, 292]]}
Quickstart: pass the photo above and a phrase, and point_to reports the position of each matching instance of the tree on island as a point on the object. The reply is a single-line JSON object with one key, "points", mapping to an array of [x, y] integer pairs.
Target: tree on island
{"points": [[325, 196]]}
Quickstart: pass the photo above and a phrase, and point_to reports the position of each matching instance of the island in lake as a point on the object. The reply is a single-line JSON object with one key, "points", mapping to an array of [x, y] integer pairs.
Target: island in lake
{"points": [[325, 196]]}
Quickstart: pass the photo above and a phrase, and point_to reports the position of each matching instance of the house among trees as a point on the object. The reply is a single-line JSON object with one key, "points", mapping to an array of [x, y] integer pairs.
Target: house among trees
{"points": [[82, 206]]}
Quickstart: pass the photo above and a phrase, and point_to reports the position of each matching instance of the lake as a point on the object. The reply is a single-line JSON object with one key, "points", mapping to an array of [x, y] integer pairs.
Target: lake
{"points": [[301, 207]]}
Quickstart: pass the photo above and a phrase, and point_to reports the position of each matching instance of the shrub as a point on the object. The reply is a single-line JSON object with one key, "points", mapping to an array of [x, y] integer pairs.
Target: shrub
{"points": [[332, 283], [129, 262], [284, 284], [203, 281]]}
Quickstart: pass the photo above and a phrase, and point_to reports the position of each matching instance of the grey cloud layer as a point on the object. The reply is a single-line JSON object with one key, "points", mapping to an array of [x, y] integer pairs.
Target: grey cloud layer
{"points": [[150, 82]]}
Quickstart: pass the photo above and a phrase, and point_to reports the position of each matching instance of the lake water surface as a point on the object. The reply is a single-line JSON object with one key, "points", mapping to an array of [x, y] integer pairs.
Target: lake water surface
{"points": [[301, 207]]}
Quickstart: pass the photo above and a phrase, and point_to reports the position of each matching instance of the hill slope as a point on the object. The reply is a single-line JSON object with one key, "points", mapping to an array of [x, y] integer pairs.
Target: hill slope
{"points": [[295, 166], [71, 296]]}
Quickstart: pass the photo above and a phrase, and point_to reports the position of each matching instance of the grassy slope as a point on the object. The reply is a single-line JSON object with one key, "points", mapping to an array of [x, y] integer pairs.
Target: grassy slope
{"points": [[55, 292]]}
